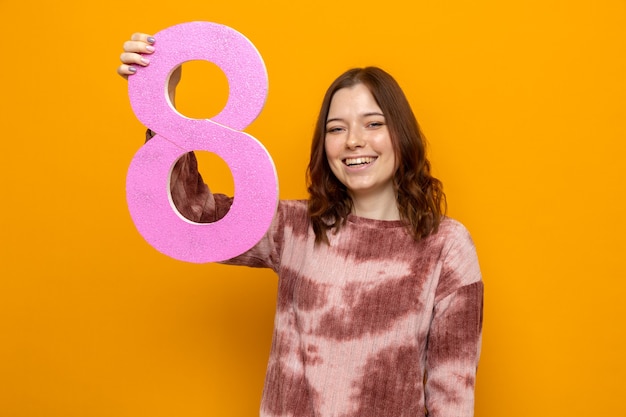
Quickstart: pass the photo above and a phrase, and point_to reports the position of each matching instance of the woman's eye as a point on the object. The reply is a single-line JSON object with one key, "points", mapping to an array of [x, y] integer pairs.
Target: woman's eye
{"points": [[333, 130], [375, 124]]}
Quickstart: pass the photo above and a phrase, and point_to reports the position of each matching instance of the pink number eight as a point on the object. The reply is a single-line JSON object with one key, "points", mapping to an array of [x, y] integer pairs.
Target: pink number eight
{"points": [[252, 168]]}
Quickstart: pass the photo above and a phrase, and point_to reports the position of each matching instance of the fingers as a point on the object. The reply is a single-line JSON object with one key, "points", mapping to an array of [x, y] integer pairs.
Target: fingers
{"points": [[130, 61], [139, 43], [139, 46], [125, 70], [142, 37]]}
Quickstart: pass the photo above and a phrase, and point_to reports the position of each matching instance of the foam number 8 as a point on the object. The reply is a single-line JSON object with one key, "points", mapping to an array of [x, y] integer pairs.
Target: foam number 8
{"points": [[147, 184]]}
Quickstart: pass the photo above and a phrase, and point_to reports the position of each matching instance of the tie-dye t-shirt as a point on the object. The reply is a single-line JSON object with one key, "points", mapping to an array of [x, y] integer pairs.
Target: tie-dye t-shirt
{"points": [[373, 324]]}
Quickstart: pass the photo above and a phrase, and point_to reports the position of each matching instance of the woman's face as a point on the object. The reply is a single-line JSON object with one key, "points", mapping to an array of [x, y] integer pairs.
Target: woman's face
{"points": [[358, 145]]}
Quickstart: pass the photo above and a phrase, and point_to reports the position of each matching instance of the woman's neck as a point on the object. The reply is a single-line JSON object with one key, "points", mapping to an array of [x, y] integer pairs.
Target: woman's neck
{"points": [[377, 207]]}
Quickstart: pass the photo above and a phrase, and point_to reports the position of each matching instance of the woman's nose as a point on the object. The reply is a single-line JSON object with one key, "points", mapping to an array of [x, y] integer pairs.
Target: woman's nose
{"points": [[354, 140]]}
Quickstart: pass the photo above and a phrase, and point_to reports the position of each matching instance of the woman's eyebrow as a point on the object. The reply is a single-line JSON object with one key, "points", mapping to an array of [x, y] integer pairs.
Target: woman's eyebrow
{"points": [[339, 119], [334, 119]]}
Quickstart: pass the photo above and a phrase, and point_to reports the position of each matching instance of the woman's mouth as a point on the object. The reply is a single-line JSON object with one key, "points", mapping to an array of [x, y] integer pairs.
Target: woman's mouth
{"points": [[363, 160]]}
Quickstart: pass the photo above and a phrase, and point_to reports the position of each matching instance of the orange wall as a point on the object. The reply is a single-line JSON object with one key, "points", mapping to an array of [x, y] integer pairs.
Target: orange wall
{"points": [[524, 106]]}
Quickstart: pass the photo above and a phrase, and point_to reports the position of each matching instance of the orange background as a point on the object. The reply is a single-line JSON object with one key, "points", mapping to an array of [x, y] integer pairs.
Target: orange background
{"points": [[523, 104]]}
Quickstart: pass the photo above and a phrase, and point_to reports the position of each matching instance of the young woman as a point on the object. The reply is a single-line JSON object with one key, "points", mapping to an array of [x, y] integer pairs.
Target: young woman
{"points": [[379, 309]]}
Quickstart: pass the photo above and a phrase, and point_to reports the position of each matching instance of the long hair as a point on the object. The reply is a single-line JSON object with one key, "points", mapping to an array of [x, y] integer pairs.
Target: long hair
{"points": [[420, 197]]}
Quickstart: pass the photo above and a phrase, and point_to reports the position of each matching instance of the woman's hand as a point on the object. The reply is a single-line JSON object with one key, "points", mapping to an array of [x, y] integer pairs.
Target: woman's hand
{"points": [[142, 43], [139, 43]]}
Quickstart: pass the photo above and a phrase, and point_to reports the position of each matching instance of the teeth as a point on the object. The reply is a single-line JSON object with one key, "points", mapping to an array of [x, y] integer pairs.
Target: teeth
{"points": [[358, 161]]}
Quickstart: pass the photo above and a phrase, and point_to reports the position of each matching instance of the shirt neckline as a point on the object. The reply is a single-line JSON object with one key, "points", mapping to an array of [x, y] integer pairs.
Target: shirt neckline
{"points": [[364, 221]]}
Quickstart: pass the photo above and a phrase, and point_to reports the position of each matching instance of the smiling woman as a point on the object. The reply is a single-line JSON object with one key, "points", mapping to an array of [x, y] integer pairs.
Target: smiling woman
{"points": [[360, 153], [379, 309], [366, 114]]}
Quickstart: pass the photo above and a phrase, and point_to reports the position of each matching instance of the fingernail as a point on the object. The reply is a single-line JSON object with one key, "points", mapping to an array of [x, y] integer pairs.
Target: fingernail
{"points": [[150, 39], [132, 69], [145, 60], [150, 48]]}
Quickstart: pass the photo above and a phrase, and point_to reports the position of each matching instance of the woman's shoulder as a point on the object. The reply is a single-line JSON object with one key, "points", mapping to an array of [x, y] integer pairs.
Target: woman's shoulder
{"points": [[293, 207], [458, 257], [452, 232], [452, 227], [293, 212]]}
